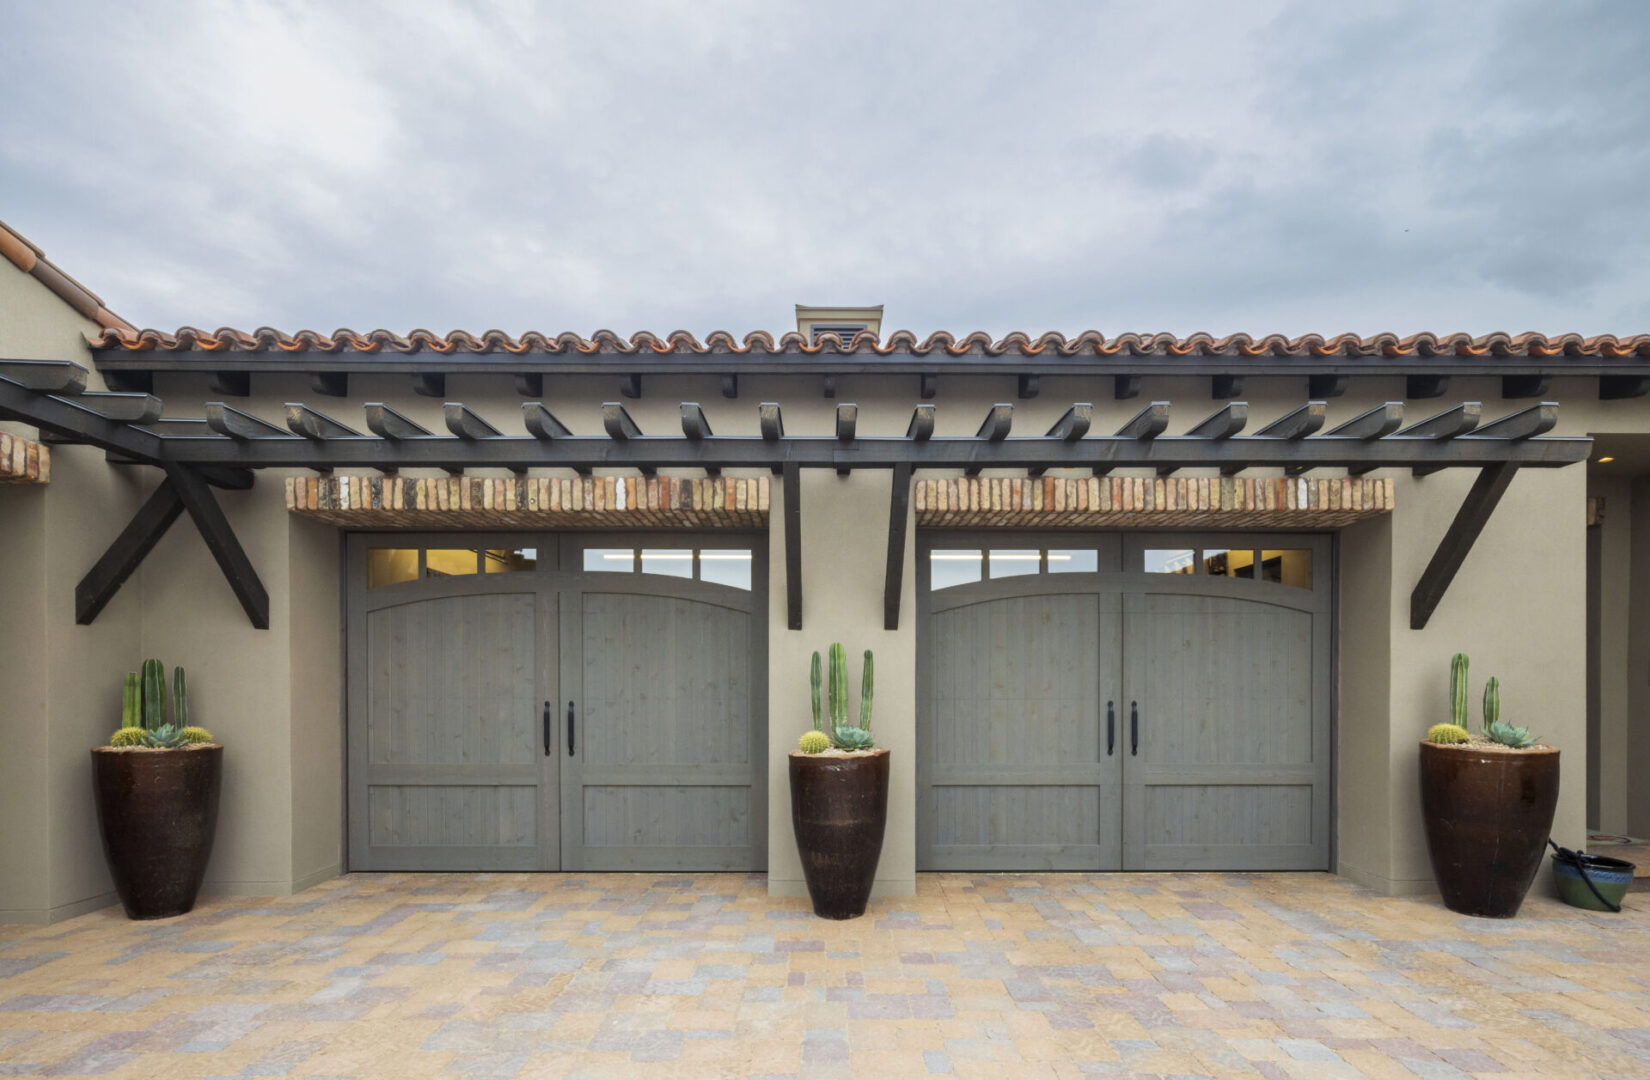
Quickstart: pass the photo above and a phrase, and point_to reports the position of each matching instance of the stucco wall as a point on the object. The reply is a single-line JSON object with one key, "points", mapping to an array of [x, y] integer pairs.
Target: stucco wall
{"points": [[62, 682], [1615, 552]]}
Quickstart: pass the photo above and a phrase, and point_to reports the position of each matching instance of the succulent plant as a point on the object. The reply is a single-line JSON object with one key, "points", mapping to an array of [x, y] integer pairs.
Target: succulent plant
{"points": [[1507, 735], [165, 737], [813, 742], [867, 686], [854, 738], [1458, 689], [1447, 734], [128, 736], [196, 735]]}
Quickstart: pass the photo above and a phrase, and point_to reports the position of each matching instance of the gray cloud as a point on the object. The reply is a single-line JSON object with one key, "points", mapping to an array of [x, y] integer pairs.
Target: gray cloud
{"points": [[1283, 166]]}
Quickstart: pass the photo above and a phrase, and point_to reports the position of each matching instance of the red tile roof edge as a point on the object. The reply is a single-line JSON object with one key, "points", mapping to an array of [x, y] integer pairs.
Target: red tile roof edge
{"points": [[266, 339], [31, 260]]}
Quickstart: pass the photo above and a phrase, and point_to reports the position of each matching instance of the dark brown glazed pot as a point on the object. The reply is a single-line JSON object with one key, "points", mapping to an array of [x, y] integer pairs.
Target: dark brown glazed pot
{"points": [[839, 806], [157, 810], [1488, 811]]}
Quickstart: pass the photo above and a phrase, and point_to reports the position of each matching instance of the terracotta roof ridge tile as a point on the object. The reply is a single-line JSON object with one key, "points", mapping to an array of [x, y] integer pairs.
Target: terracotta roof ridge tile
{"points": [[1345, 345], [27, 257]]}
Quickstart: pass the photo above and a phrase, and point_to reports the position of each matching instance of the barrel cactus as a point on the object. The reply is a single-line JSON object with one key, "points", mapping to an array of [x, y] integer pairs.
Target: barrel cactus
{"points": [[192, 735], [813, 742], [1447, 734], [128, 736]]}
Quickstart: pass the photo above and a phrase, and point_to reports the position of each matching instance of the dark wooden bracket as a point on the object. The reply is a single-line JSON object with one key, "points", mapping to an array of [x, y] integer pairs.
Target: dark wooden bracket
{"points": [[430, 384], [1622, 387], [928, 386], [530, 384], [1525, 386], [126, 554], [1222, 387], [231, 383], [1457, 542], [630, 386], [1425, 386], [1326, 386], [1125, 387], [792, 486], [899, 506], [220, 540], [1028, 386], [730, 386], [330, 383]]}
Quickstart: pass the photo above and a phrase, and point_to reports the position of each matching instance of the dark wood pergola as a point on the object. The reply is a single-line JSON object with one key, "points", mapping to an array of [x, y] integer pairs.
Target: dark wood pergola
{"points": [[226, 446]]}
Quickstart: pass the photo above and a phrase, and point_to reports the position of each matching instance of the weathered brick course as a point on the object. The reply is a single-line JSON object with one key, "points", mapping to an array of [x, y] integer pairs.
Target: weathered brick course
{"points": [[23, 461], [531, 502], [1149, 502]]}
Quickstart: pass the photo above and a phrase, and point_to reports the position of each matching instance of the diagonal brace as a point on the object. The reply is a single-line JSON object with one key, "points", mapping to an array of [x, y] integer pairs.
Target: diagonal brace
{"points": [[1452, 550], [221, 542], [135, 541], [893, 581]]}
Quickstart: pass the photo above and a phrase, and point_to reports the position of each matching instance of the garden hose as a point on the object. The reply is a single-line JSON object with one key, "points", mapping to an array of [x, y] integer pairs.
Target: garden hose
{"points": [[1571, 858]]}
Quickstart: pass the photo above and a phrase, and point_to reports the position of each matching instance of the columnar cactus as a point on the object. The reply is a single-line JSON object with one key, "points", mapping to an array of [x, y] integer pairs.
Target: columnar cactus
{"points": [[154, 694], [866, 686], [839, 685], [813, 680], [180, 704], [1458, 689], [131, 696], [1492, 702]]}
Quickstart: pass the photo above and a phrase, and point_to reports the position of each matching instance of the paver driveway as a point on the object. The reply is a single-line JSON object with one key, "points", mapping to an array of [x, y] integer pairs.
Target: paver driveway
{"points": [[491, 975]]}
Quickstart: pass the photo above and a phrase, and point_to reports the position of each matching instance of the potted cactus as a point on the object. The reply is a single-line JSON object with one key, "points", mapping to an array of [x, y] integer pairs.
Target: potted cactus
{"points": [[157, 785], [1487, 800], [839, 795]]}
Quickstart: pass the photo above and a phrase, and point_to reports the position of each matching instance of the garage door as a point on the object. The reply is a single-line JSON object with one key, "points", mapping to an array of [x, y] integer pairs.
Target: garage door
{"points": [[535, 703], [1123, 702]]}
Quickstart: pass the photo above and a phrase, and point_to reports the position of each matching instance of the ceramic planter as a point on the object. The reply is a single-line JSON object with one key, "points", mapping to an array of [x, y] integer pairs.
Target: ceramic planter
{"points": [[1488, 811], [839, 806], [157, 810]]}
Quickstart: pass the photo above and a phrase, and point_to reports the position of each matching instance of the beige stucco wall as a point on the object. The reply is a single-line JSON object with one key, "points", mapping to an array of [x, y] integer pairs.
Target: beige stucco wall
{"points": [[1615, 610], [62, 683]]}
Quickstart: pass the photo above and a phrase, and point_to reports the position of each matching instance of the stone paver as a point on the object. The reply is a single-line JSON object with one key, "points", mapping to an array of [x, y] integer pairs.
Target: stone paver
{"points": [[1298, 976]]}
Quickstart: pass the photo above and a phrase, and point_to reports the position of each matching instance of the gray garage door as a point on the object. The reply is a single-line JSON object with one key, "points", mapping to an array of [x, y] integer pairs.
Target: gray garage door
{"points": [[1123, 702], [535, 703]]}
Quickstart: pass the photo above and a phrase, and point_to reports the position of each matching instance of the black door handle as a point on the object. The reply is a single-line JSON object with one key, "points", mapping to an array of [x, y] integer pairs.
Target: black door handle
{"points": [[1111, 726], [1134, 728], [546, 729], [570, 729]]}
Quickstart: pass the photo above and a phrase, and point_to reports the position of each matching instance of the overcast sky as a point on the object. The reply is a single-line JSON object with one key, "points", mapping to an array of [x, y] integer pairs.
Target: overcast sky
{"points": [[1156, 166]]}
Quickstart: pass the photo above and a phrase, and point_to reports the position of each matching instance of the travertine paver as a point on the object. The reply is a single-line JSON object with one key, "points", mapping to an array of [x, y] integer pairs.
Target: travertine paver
{"points": [[999, 976]]}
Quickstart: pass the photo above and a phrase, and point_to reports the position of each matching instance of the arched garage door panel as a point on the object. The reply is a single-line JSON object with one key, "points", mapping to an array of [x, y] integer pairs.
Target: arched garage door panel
{"points": [[665, 776], [1228, 770], [1020, 777], [451, 774]]}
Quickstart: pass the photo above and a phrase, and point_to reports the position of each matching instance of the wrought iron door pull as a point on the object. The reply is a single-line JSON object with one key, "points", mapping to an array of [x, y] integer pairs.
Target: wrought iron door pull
{"points": [[546, 729], [1134, 728], [570, 729], [1111, 726]]}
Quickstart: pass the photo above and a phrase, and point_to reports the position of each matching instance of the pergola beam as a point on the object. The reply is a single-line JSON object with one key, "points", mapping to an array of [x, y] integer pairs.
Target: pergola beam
{"points": [[792, 487]]}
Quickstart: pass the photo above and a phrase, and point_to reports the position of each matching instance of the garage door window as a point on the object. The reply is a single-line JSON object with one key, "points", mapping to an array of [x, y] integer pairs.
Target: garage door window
{"points": [[720, 566], [1280, 566], [964, 566]]}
